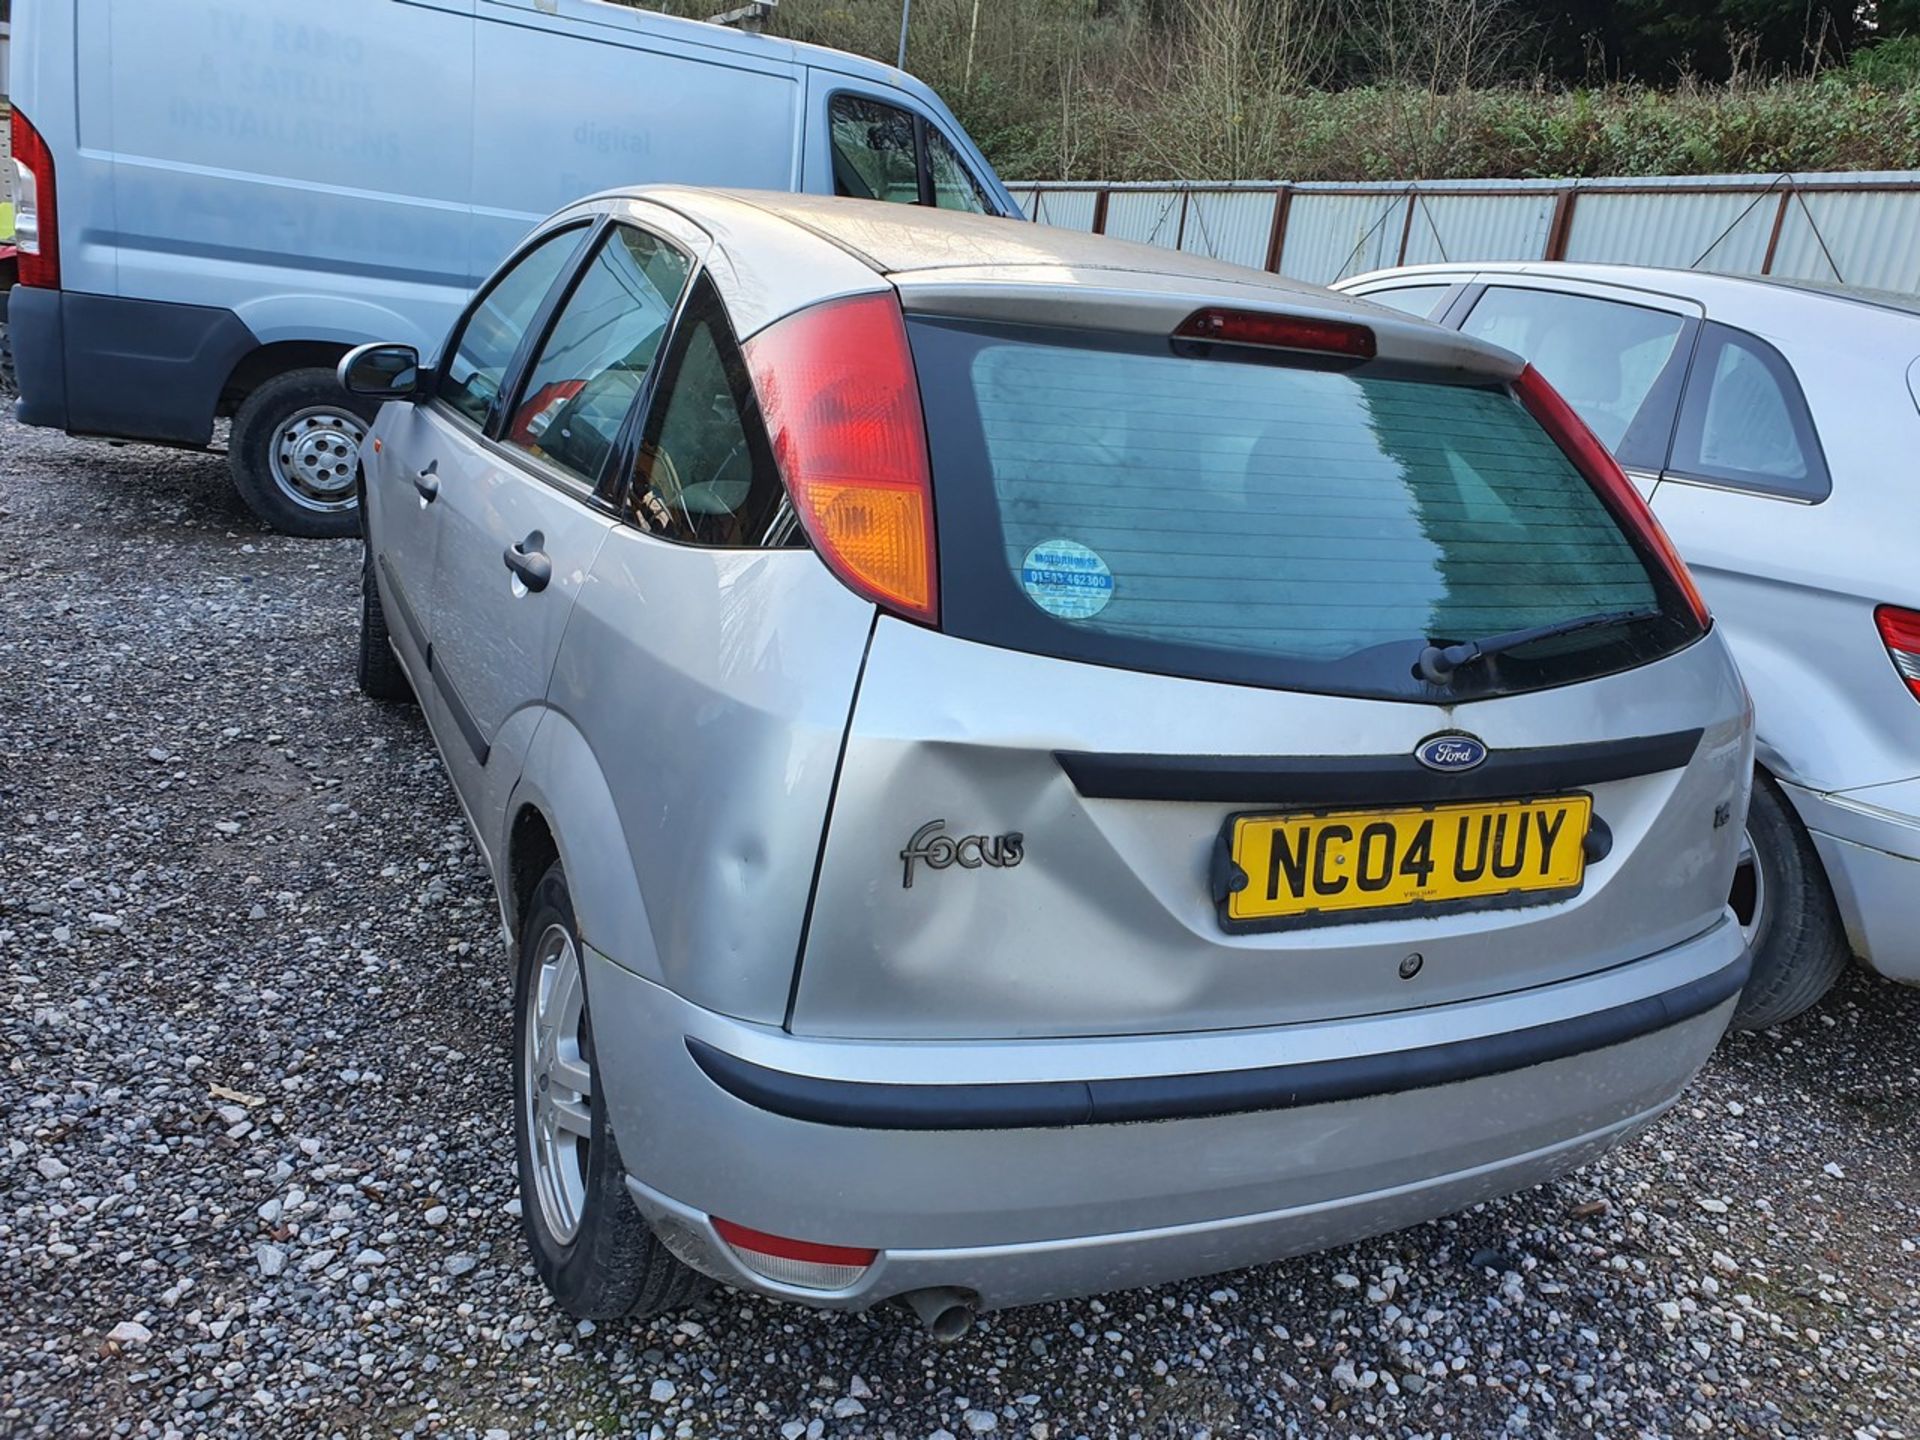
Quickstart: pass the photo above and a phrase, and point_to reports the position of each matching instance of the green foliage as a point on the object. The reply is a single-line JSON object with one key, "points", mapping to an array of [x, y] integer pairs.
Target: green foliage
{"points": [[1396, 89]]}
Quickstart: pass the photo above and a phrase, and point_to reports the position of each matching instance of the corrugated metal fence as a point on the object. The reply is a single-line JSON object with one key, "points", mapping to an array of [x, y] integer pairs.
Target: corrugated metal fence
{"points": [[1862, 228]]}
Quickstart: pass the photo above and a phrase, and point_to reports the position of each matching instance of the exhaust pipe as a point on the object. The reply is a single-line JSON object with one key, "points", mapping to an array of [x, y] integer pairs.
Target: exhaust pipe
{"points": [[945, 1313]]}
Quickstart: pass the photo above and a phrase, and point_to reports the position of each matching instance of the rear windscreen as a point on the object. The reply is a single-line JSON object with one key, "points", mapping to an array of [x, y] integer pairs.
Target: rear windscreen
{"points": [[1112, 501]]}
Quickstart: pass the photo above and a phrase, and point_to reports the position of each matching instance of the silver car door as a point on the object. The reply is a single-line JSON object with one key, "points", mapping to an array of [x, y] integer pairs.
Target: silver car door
{"points": [[414, 444], [526, 509]]}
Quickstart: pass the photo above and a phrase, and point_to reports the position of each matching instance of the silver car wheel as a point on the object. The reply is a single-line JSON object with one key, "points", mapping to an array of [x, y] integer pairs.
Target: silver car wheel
{"points": [[557, 1092], [1749, 894], [313, 455]]}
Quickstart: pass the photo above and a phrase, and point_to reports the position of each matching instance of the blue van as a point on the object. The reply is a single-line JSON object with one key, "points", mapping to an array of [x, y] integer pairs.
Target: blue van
{"points": [[218, 198]]}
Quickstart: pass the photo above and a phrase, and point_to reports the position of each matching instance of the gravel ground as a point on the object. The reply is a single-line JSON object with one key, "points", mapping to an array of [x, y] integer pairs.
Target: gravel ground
{"points": [[258, 1177]]}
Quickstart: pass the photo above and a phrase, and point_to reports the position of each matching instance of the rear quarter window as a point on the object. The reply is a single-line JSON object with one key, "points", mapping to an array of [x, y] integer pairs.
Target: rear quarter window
{"points": [[1108, 500]]}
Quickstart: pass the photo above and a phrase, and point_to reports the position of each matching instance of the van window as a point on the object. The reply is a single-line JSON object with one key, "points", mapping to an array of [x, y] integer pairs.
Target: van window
{"points": [[873, 150], [1618, 365], [1105, 500], [580, 390], [706, 473], [1744, 421], [954, 187], [490, 334]]}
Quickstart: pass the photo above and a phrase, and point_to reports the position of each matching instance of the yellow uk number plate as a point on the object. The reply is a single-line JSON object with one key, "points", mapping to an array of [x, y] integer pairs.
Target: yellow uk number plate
{"points": [[1356, 864]]}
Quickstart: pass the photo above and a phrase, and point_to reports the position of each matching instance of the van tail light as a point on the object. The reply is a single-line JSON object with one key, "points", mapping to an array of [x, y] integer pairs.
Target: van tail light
{"points": [[1901, 630], [1603, 473], [795, 1262], [837, 388], [36, 225], [1278, 332]]}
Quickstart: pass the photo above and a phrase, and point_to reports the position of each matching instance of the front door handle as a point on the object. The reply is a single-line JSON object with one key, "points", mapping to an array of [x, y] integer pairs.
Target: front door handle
{"points": [[528, 561], [427, 482]]}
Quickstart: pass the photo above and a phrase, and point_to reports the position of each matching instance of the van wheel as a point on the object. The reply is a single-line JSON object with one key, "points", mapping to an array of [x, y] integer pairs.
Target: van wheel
{"points": [[379, 672], [591, 1246], [1786, 911], [293, 451]]}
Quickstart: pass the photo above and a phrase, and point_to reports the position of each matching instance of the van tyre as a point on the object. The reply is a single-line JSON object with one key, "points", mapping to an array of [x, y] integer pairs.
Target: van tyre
{"points": [[591, 1246], [1798, 944], [380, 675], [293, 451]]}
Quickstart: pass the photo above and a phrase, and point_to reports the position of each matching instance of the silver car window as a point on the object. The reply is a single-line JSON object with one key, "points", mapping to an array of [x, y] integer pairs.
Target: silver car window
{"points": [[1274, 524], [1416, 300], [1744, 421], [706, 473], [491, 334], [1605, 357], [597, 354]]}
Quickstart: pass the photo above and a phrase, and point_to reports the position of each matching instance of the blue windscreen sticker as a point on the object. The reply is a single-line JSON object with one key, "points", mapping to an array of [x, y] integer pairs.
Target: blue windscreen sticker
{"points": [[1065, 578]]}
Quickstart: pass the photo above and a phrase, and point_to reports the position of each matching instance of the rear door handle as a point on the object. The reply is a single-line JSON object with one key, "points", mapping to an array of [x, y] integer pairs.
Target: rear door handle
{"points": [[528, 560], [427, 482]]}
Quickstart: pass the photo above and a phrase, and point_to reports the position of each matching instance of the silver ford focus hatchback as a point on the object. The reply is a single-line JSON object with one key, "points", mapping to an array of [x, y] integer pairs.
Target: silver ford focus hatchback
{"points": [[1018, 765]]}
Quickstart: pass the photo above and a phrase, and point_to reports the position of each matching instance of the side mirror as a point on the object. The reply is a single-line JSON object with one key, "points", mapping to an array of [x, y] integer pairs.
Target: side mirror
{"points": [[381, 372]]}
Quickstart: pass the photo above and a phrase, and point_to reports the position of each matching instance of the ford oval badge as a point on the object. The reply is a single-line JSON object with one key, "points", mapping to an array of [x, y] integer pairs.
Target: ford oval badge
{"points": [[1450, 752]]}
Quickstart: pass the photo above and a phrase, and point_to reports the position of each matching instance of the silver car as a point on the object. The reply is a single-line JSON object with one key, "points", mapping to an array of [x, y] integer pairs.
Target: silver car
{"points": [[1018, 765], [1771, 425]]}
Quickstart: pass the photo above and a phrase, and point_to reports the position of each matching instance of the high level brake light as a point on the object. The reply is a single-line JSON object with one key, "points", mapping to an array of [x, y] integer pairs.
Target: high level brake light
{"points": [[1603, 473], [795, 1262], [36, 226], [1278, 332], [1901, 631], [842, 404]]}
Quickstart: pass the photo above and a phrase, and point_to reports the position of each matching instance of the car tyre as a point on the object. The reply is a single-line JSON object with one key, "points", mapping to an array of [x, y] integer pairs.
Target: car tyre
{"points": [[379, 672], [1798, 945], [293, 451], [590, 1244]]}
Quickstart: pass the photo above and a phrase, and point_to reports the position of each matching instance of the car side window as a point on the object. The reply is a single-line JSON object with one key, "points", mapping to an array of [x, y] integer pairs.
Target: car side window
{"points": [[706, 473], [1744, 421], [597, 353], [954, 187], [1419, 301], [874, 156], [1618, 365], [491, 333]]}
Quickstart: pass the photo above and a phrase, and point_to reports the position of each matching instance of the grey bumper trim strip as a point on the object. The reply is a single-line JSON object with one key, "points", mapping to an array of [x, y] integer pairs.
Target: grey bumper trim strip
{"points": [[1031, 1105]]}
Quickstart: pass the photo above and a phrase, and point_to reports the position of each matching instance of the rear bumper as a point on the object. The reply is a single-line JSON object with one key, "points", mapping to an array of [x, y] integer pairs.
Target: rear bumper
{"points": [[127, 369], [1039, 1211], [1872, 858]]}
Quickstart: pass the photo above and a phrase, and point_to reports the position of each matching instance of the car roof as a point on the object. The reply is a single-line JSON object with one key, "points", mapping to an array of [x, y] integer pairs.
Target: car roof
{"points": [[776, 252], [1710, 288], [894, 239]]}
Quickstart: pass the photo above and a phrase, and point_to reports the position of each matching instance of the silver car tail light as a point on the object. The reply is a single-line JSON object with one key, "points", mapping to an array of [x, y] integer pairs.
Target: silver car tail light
{"points": [[1900, 629], [837, 388]]}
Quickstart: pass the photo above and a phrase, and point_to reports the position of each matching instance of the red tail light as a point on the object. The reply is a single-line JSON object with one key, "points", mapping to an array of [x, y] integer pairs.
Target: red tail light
{"points": [[795, 1262], [36, 224], [842, 404], [1901, 630], [1609, 481], [1278, 332]]}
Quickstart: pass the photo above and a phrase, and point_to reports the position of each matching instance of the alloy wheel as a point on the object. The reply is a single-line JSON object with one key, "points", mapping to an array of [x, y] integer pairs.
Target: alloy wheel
{"points": [[557, 1084]]}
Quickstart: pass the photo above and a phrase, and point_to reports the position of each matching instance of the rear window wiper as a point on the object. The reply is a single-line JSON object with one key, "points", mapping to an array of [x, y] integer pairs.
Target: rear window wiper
{"points": [[1438, 663]]}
